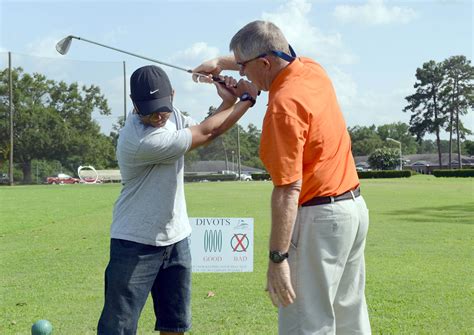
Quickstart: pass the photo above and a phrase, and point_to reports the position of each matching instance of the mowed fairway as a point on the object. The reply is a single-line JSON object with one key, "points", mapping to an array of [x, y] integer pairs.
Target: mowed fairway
{"points": [[54, 248]]}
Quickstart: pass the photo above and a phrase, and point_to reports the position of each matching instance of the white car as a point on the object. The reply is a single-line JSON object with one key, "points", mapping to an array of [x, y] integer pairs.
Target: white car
{"points": [[245, 177]]}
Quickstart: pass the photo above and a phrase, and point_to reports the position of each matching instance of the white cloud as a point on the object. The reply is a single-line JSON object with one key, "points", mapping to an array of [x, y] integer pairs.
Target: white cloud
{"points": [[374, 12], [114, 36], [307, 39], [360, 107], [44, 47], [195, 54], [374, 106], [192, 97]]}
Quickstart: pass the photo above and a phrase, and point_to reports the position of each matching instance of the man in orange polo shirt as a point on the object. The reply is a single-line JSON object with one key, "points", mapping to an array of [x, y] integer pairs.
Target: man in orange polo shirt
{"points": [[316, 271]]}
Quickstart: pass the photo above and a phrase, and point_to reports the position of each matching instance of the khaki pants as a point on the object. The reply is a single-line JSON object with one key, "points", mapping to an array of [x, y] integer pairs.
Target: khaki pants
{"points": [[328, 271]]}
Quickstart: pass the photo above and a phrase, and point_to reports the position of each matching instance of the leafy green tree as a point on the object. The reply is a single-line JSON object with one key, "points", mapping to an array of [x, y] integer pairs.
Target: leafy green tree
{"points": [[364, 140], [222, 147], [426, 105], [252, 138], [458, 94], [53, 121], [469, 147], [401, 132], [426, 147], [384, 159], [38, 129], [114, 134], [86, 145]]}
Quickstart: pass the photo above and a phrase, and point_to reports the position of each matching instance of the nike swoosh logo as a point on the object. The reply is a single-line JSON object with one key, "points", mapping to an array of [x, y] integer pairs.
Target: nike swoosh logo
{"points": [[153, 92]]}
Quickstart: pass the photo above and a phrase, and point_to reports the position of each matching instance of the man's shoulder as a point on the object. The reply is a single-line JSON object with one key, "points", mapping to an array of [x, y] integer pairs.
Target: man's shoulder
{"points": [[186, 120]]}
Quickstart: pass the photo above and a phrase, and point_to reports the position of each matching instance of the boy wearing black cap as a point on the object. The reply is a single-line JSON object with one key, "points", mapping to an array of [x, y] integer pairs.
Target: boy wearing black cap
{"points": [[149, 250]]}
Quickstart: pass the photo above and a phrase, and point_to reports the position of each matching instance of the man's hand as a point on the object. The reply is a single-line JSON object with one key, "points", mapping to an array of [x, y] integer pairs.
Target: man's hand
{"points": [[279, 285], [214, 67], [210, 67], [244, 86], [227, 90]]}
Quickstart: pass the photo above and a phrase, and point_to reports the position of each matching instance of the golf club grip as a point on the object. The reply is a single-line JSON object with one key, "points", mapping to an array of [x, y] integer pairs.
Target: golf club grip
{"points": [[217, 79], [221, 81]]}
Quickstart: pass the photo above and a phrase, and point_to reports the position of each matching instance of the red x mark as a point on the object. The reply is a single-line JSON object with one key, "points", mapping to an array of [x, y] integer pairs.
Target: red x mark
{"points": [[240, 242]]}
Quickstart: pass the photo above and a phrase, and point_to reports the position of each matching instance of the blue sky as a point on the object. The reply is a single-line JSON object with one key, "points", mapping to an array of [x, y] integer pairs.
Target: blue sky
{"points": [[370, 49]]}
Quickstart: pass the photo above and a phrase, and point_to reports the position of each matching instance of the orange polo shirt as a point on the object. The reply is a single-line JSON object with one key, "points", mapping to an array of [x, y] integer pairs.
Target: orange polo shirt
{"points": [[304, 134]]}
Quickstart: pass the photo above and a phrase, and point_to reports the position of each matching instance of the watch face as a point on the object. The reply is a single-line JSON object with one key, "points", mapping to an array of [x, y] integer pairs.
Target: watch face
{"points": [[277, 257], [247, 97]]}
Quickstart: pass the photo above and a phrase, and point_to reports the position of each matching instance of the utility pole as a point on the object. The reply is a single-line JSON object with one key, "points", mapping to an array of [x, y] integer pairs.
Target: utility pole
{"points": [[400, 144], [238, 151], [233, 165], [10, 83], [124, 92]]}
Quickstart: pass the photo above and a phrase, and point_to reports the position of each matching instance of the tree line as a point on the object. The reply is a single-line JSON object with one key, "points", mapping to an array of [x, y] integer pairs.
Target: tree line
{"points": [[54, 127], [444, 91], [53, 122]]}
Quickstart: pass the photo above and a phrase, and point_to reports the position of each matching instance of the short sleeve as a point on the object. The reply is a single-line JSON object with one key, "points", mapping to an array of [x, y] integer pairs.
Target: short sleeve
{"points": [[281, 147], [163, 146]]}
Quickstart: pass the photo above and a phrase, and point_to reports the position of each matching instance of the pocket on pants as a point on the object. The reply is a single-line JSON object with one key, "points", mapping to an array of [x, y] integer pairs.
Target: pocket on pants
{"points": [[332, 226], [295, 235]]}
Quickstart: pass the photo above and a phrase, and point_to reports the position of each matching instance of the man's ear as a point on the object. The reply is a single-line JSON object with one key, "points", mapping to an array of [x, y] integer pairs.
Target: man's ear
{"points": [[266, 62]]}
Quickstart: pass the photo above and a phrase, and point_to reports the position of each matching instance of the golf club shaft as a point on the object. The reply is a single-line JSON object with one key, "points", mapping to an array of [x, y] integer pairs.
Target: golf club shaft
{"points": [[147, 58]]}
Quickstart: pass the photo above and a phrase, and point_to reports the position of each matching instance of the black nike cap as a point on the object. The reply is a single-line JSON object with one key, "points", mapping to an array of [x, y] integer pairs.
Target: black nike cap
{"points": [[151, 90]]}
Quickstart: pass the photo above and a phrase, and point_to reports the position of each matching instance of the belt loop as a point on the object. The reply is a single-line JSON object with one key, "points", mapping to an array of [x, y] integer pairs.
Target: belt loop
{"points": [[332, 200], [353, 196]]}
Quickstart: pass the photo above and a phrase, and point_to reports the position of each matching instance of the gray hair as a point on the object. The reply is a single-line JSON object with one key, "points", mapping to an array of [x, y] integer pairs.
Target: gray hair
{"points": [[258, 37]]}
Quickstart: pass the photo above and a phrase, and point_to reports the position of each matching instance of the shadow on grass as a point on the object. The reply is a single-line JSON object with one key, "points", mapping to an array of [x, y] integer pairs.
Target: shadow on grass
{"points": [[463, 214]]}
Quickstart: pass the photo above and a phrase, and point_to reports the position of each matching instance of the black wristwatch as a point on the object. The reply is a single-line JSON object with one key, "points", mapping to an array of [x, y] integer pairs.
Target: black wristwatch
{"points": [[278, 256], [247, 97]]}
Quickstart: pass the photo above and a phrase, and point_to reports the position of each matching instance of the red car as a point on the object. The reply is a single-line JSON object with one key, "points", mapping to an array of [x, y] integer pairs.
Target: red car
{"points": [[62, 178]]}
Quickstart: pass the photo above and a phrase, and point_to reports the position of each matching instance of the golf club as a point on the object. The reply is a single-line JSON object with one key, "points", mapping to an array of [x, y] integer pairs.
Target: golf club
{"points": [[63, 47]]}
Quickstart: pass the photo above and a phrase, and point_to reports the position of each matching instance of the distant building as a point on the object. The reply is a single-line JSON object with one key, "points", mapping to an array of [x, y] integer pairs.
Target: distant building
{"points": [[105, 176], [209, 167], [196, 168], [426, 163], [421, 163]]}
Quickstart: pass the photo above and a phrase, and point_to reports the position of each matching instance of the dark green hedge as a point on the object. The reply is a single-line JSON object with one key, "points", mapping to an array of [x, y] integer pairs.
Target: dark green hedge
{"points": [[210, 177], [454, 173], [384, 174], [260, 176]]}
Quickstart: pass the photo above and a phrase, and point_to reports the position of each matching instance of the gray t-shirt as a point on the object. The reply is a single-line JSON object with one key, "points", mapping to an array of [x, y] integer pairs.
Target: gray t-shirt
{"points": [[151, 208]]}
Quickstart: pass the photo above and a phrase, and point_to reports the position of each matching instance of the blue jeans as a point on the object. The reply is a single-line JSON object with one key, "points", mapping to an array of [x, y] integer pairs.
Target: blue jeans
{"points": [[135, 270]]}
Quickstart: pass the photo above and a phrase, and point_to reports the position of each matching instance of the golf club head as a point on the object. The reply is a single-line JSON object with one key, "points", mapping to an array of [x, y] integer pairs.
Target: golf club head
{"points": [[63, 46]]}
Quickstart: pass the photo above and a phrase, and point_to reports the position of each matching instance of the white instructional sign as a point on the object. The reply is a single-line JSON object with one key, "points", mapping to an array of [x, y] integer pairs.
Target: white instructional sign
{"points": [[222, 244]]}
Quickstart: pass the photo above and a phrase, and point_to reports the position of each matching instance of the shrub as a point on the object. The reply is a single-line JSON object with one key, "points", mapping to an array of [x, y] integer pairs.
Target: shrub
{"points": [[384, 159], [261, 176], [385, 174], [209, 177], [454, 173]]}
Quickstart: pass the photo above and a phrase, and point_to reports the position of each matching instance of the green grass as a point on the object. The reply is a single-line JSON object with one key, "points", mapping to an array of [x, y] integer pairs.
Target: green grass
{"points": [[54, 249]]}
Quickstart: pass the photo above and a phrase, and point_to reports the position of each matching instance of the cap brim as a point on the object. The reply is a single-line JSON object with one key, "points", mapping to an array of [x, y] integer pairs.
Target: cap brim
{"points": [[154, 106]]}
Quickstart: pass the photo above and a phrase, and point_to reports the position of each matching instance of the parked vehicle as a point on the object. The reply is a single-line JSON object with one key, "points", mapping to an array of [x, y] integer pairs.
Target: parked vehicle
{"points": [[245, 177], [91, 180], [62, 178]]}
